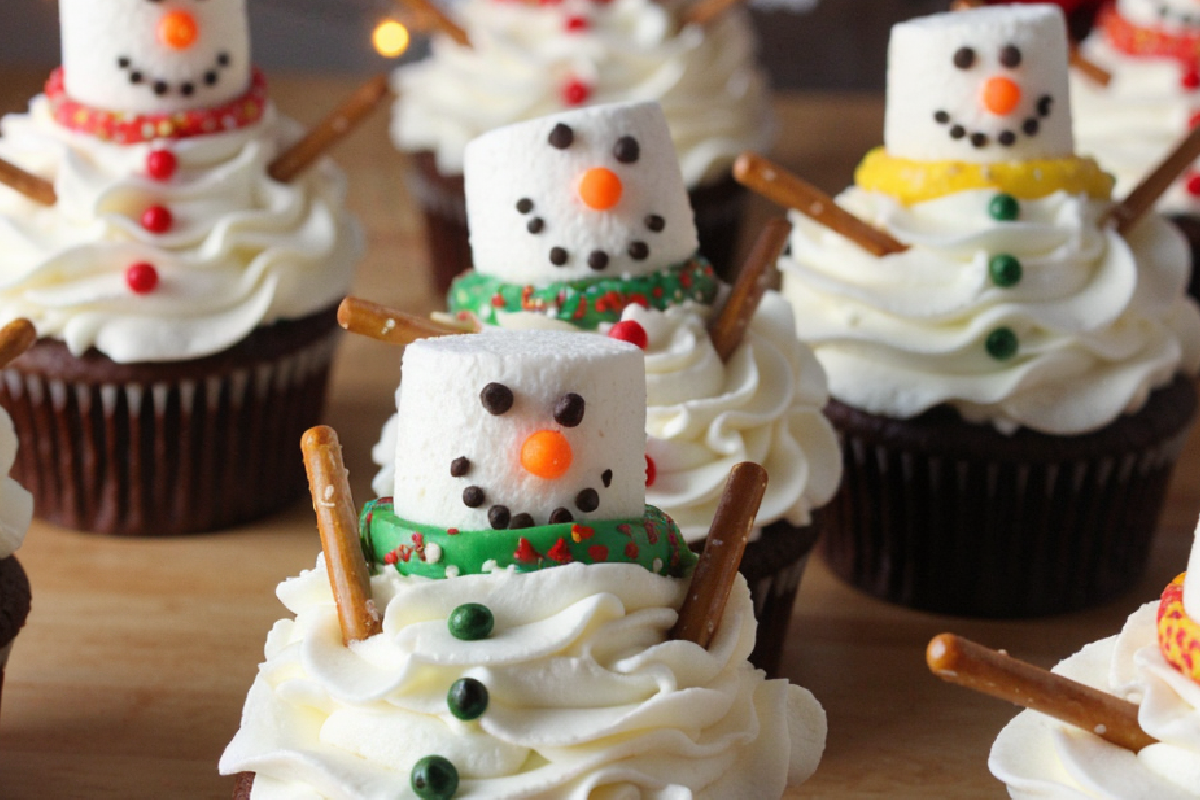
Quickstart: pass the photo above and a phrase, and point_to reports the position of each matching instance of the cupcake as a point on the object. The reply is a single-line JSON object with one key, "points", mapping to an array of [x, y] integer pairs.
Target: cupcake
{"points": [[526, 60], [1012, 383], [1152, 662], [553, 250], [185, 298], [1151, 50], [16, 511], [523, 660]]}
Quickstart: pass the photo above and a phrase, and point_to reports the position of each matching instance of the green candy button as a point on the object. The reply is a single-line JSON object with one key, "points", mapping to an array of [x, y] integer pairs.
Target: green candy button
{"points": [[1005, 270], [471, 622], [1004, 208], [1002, 344], [434, 778], [467, 698]]}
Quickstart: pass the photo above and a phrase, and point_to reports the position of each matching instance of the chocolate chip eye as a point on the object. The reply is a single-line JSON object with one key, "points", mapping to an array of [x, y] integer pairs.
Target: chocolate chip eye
{"points": [[459, 467], [223, 59], [587, 500], [524, 205], [1010, 56], [964, 57], [123, 62], [560, 515], [497, 398], [561, 137], [655, 223], [536, 225], [568, 410], [941, 117], [627, 150]]}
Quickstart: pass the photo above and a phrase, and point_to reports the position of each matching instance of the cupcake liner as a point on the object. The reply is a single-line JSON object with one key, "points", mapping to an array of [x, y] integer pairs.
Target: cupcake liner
{"points": [[174, 447], [773, 565], [243, 786], [718, 209], [14, 608], [947, 516]]}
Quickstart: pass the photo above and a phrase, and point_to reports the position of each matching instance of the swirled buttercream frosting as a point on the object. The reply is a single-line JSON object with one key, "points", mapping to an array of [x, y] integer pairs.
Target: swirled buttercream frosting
{"points": [[168, 249], [1016, 312], [1037, 756], [764, 405], [527, 60], [583, 695]]}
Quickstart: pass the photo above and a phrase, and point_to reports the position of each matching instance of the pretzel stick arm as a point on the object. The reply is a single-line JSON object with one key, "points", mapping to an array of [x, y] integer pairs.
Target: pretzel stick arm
{"points": [[1141, 200], [390, 326], [349, 577], [729, 329], [33, 187], [714, 575], [966, 663]]}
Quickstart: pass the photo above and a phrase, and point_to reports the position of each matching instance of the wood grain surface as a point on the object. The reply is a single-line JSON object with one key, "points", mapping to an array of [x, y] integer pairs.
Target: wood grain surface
{"points": [[129, 678]]}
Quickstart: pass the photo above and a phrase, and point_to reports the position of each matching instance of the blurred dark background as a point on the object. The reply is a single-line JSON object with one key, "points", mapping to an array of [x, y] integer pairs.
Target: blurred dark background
{"points": [[837, 44]]}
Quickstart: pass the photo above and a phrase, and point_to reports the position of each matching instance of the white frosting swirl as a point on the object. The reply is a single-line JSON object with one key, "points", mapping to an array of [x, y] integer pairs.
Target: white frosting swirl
{"points": [[1040, 757], [16, 504], [1131, 124], [586, 699], [703, 416], [243, 249], [1100, 320], [714, 97]]}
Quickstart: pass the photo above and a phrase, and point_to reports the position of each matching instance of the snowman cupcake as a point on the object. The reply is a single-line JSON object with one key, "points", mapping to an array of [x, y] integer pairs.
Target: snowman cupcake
{"points": [[1014, 382], [526, 594], [581, 220], [185, 298], [1154, 662], [525, 60]]}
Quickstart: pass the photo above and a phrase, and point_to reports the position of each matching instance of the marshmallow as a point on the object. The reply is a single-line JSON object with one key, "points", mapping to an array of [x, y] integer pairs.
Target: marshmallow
{"points": [[1169, 15], [983, 85], [472, 408], [583, 194], [151, 57]]}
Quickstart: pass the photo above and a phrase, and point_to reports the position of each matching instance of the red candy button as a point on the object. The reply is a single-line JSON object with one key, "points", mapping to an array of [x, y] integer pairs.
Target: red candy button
{"points": [[161, 164], [628, 330], [157, 219], [141, 277], [575, 92]]}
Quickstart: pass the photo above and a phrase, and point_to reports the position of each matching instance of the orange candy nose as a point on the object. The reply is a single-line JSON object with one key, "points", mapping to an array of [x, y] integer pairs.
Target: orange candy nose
{"points": [[600, 188], [1001, 95], [178, 30], [546, 454]]}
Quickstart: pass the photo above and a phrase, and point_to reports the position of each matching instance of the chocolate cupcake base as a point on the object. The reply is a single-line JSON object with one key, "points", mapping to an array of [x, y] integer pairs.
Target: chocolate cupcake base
{"points": [[14, 608], [718, 209], [773, 565], [169, 448], [942, 515], [243, 786]]}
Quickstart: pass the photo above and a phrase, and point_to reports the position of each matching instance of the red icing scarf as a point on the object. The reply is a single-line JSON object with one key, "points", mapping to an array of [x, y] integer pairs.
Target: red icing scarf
{"points": [[1135, 40], [125, 128]]}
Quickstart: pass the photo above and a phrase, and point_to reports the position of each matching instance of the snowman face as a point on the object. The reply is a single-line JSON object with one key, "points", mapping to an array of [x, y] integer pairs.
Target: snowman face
{"points": [[511, 429], [154, 56], [983, 85], [578, 195], [1170, 15]]}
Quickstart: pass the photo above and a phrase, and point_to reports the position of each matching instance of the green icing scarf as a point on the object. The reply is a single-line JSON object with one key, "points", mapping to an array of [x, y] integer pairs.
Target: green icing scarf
{"points": [[653, 541], [586, 303]]}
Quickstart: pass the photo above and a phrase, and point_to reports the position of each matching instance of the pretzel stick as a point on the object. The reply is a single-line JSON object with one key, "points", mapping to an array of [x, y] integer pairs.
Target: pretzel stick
{"points": [[34, 187], [391, 326], [729, 328], [778, 185], [1086, 67], [334, 506], [705, 11], [964, 662], [427, 10], [1142, 198], [15, 338], [294, 160], [727, 536]]}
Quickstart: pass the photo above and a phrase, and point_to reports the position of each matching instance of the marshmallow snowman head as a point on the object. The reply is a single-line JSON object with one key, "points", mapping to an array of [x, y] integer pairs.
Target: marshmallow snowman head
{"points": [[154, 56], [983, 85], [509, 429], [1179, 16], [584, 194]]}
